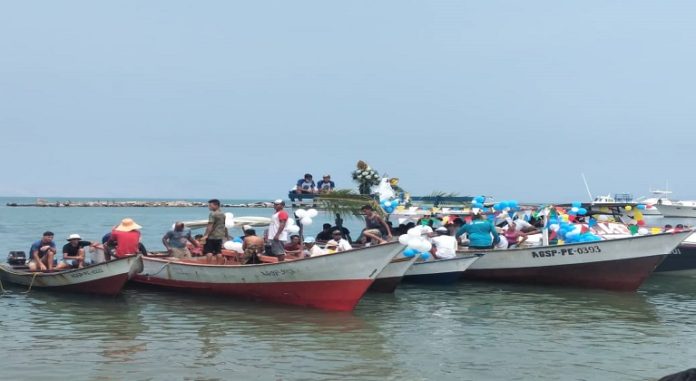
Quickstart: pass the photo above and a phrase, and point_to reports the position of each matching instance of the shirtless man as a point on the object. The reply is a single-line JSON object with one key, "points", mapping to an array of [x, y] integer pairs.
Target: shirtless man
{"points": [[253, 246]]}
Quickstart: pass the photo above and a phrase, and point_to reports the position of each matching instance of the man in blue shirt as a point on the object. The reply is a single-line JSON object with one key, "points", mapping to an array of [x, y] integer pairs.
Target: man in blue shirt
{"points": [[306, 185], [42, 252], [325, 185]]}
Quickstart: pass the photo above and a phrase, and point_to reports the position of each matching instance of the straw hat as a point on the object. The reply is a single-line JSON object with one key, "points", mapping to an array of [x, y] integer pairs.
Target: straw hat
{"points": [[126, 225]]}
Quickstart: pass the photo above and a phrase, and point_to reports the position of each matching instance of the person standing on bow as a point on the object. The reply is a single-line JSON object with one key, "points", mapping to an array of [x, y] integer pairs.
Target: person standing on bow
{"points": [[376, 229], [481, 232], [277, 236]]}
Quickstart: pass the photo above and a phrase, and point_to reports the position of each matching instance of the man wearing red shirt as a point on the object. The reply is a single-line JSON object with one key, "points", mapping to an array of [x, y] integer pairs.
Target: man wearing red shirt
{"points": [[127, 237]]}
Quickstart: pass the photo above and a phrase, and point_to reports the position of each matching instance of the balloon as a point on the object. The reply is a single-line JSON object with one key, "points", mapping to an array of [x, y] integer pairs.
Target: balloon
{"points": [[582, 211], [425, 256], [574, 209], [395, 203], [640, 223], [292, 229], [628, 207], [513, 204], [643, 231], [414, 232], [306, 221], [404, 238], [576, 204], [290, 222], [479, 199], [229, 220], [641, 206], [237, 239], [503, 205], [389, 209], [228, 245], [497, 206], [554, 227], [311, 213], [408, 253], [301, 213]]}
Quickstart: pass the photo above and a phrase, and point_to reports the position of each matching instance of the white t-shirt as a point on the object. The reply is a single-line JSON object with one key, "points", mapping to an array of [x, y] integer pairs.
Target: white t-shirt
{"points": [[275, 226], [344, 245], [446, 246]]}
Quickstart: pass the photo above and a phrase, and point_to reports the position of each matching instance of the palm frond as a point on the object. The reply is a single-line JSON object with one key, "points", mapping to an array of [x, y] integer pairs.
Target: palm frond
{"points": [[438, 193], [346, 202]]}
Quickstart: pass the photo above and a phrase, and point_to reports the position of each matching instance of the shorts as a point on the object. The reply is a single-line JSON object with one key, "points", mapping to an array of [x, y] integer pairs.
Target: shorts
{"points": [[181, 252], [251, 255], [376, 232], [277, 247], [73, 263], [212, 246]]}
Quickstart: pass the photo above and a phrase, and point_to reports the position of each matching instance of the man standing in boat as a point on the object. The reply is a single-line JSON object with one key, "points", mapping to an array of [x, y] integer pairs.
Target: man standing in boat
{"points": [[42, 253], [276, 230], [215, 232]]}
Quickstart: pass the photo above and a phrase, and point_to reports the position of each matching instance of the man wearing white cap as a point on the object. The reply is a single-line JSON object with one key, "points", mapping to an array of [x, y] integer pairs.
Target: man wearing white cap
{"points": [[277, 235], [444, 244], [74, 252]]}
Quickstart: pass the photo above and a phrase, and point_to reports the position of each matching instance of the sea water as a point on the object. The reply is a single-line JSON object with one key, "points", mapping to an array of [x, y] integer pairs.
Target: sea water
{"points": [[468, 331]]}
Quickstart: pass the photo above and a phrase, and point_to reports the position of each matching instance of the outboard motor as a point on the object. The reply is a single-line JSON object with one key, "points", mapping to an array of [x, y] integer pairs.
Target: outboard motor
{"points": [[16, 258]]}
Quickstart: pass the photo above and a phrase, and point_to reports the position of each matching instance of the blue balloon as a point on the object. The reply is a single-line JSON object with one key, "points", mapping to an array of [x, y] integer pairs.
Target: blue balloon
{"points": [[582, 211], [504, 204], [237, 239], [641, 206], [576, 204], [410, 252], [389, 209], [479, 199], [513, 204], [395, 203], [425, 255], [496, 206]]}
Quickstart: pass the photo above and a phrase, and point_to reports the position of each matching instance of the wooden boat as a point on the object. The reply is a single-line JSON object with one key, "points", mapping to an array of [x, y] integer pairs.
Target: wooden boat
{"points": [[331, 282], [621, 264], [106, 278], [390, 277], [440, 271]]}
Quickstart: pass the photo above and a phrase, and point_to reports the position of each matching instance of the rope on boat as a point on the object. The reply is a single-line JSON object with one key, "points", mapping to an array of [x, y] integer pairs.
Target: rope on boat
{"points": [[32, 282], [160, 270]]}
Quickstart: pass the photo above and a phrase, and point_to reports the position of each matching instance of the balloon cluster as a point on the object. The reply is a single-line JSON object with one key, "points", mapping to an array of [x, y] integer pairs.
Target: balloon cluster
{"points": [[229, 220], [305, 217], [389, 205], [478, 202], [506, 205], [577, 209], [416, 243], [637, 214], [233, 246], [571, 233]]}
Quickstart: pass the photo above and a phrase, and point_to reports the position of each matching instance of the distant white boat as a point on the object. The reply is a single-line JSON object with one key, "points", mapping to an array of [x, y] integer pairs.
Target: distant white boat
{"points": [[671, 208], [625, 198]]}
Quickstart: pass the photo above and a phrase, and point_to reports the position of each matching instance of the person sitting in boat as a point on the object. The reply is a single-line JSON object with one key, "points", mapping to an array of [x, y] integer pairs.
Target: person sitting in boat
{"points": [[253, 246], [325, 185], [42, 253], [325, 233], [444, 245], [376, 229], [480, 231], [306, 185], [311, 249], [294, 249], [196, 250], [126, 237], [341, 243], [176, 240], [74, 251], [514, 235]]}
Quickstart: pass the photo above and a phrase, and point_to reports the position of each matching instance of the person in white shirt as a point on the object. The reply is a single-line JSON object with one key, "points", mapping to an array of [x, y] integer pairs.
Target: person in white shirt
{"points": [[342, 244], [445, 244], [311, 249]]}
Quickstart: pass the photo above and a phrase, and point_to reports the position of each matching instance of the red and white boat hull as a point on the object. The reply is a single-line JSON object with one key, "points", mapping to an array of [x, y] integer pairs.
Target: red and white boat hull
{"points": [[107, 278], [331, 282], [621, 264], [391, 276]]}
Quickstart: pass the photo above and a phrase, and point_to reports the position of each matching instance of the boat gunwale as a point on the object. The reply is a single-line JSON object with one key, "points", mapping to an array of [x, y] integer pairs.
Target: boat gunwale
{"points": [[8, 269]]}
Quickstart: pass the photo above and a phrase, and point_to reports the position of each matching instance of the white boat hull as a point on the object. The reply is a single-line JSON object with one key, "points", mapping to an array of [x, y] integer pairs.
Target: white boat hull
{"points": [[440, 270]]}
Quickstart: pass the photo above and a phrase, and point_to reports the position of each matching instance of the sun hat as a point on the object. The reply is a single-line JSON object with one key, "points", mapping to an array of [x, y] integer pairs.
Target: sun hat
{"points": [[331, 243], [309, 240], [126, 225], [73, 236]]}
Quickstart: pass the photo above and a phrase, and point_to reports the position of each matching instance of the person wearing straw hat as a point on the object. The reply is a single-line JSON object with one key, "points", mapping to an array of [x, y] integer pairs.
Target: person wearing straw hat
{"points": [[126, 235], [74, 252]]}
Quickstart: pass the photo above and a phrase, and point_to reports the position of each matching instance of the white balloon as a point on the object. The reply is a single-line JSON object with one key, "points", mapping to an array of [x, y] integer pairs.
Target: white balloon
{"points": [[290, 222], [229, 220], [311, 213], [292, 229], [554, 227], [414, 232], [228, 245], [643, 231], [301, 213], [404, 238], [426, 229], [306, 221]]}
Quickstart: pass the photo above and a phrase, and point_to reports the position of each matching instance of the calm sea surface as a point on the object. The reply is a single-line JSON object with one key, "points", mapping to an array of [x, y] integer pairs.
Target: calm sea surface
{"points": [[471, 331]]}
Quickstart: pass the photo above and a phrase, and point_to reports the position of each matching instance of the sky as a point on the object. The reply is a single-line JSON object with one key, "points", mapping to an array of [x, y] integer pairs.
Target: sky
{"points": [[232, 99]]}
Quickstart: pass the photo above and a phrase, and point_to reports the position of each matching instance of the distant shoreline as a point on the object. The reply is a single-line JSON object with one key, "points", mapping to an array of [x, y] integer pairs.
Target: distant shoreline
{"points": [[132, 204]]}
